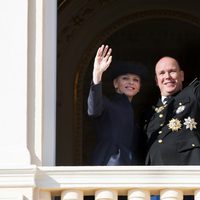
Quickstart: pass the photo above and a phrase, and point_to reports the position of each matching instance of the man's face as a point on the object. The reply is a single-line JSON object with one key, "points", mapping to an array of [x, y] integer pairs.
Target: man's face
{"points": [[169, 77]]}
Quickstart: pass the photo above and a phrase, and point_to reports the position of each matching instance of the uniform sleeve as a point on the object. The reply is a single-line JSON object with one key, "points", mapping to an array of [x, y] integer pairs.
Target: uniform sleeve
{"points": [[197, 90], [95, 100]]}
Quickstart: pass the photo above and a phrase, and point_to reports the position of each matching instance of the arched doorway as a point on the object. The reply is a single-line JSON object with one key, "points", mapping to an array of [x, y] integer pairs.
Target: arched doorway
{"points": [[147, 41], [143, 36]]}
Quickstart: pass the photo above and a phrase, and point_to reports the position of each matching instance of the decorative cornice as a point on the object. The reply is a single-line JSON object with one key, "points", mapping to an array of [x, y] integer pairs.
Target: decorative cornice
{"points": [[19, 176]]}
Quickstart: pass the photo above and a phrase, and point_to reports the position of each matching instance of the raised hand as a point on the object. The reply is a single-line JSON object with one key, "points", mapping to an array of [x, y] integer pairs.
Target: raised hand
{"points": [[102, 61]]}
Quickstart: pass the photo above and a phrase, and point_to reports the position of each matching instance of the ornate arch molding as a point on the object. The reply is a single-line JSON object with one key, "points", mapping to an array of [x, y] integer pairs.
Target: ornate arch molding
{"points": [[102, 36]]}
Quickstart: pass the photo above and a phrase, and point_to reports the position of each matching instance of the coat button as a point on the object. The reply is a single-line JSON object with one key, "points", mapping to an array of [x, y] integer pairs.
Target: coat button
{"points": [[193, 145], [161, 115], [161, 124], [159, 132], [160, 141]]}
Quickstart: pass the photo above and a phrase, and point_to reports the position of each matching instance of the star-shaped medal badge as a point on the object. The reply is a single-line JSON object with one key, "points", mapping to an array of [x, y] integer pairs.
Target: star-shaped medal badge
{"points": [[174, 124], [190, 123]]}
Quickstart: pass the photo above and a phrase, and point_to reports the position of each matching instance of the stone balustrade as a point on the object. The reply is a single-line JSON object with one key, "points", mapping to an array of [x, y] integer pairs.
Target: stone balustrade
{"points": [[101, 183]]}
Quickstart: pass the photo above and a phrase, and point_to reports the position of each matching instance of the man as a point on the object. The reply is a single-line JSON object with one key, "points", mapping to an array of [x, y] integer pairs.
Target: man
{"points": [[173, 129]]}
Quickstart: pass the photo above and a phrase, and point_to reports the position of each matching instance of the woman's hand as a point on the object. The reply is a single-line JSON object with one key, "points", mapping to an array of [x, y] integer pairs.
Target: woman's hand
{"points": [[102, 61]]}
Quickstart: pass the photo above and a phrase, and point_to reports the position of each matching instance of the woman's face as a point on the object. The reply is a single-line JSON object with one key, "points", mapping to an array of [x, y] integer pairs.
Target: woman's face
{"points": [[128, 84]]}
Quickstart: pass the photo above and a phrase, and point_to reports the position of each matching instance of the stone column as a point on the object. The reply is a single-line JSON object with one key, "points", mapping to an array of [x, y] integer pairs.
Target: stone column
{"points": [[42, 81]]}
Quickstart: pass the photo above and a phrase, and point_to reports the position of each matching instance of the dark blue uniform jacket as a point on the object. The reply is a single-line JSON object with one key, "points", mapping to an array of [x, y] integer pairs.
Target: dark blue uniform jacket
{"points": [[173, 130]]}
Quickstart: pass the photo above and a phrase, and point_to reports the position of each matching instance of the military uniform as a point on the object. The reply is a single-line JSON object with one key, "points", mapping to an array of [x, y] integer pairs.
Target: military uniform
{"points": [[173, 129]]}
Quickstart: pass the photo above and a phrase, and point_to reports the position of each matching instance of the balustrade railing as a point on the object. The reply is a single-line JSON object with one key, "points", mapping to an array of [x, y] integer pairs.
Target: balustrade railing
{"points": [[108, 183], [100, 183]]}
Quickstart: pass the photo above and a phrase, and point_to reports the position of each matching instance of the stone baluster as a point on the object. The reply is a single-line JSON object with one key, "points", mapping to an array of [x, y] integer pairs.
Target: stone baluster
{"points": [[137, 194], [171, 194], [72, 195], [197, 195], [105, 194]]}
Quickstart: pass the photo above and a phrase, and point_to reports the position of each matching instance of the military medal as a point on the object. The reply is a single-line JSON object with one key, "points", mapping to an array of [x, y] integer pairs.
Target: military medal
{"points": [[190, 123], [180, 109], [159, 109], [174, 124]]}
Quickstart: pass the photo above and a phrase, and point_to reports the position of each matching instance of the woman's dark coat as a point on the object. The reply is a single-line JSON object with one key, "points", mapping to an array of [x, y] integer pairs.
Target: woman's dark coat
{"points": [[115, 127]]}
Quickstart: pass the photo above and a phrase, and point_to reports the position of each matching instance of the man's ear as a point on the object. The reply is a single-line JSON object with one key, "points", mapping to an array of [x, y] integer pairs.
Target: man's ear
{"points": [[182, 75]]}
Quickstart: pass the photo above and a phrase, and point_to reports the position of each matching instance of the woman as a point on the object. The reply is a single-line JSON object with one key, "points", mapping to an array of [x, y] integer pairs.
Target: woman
{"points": [[117, 131]]}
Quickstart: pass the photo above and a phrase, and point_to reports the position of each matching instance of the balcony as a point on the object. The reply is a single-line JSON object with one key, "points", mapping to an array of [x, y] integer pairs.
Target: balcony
{"points": [[102, 183]]}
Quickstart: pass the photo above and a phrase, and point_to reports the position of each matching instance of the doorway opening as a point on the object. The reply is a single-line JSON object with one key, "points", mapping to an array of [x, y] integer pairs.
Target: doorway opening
{"points": [[145, 41]]}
